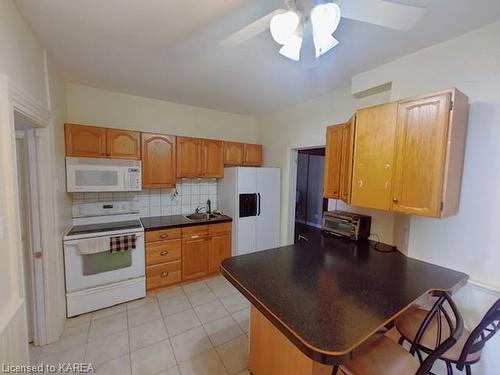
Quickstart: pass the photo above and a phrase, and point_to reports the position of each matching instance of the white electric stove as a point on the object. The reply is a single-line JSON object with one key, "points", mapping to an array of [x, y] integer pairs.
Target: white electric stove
{"points": [[103, 279]]}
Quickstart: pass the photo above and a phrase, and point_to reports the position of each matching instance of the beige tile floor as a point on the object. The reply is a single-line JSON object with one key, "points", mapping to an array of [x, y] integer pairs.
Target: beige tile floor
{"points": [[199, 328], [196, 328]]}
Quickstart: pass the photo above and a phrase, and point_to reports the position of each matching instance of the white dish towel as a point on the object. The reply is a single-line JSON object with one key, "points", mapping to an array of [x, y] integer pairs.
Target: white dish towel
{"points": [[93, 245]]}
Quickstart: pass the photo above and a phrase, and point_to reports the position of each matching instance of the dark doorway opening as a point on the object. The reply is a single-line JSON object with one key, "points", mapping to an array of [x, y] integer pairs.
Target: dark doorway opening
{"points": [[309, 203]]}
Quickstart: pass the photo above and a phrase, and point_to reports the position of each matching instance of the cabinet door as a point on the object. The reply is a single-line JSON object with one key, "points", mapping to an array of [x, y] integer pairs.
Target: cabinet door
{"points": [[212, 158], [194, 256], [122, 144], [219, 248], [333, 158], [189, 157], [374, 156], [346, 164], [252, 155], [233, 153], [421, 143], [158, 161], [85, 141]]}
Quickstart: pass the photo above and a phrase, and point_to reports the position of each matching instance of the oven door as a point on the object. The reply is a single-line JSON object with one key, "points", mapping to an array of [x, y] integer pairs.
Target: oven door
{"points": [[88, 271], [92, 178]]}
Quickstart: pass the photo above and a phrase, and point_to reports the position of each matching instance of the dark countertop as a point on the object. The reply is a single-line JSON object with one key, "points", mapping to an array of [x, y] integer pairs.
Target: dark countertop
{"points": [[328, 295], [178, 221]]}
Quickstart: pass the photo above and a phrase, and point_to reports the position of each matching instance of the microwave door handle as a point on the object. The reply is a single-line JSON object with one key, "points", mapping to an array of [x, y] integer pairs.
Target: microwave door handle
{"points": [[259, 200], [126, 179]]}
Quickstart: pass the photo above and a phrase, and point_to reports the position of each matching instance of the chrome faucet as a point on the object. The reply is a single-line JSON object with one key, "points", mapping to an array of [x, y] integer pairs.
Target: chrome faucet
{"points": [[200, 208]]}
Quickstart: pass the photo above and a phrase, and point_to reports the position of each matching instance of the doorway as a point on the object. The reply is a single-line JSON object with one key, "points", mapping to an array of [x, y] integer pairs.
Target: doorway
{"points": [[309, 201], [30, 229]]}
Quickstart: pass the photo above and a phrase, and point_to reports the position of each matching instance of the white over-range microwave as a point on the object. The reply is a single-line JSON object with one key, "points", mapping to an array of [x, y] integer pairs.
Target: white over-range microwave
{"points": [[102, 175]]}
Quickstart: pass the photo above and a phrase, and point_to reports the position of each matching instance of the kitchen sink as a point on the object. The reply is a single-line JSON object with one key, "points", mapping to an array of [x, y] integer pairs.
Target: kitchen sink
{"points": [[201, 216]]}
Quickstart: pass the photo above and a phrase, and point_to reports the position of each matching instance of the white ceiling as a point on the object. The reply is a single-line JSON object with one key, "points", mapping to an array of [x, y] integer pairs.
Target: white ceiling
{"points": [[169, 49]]}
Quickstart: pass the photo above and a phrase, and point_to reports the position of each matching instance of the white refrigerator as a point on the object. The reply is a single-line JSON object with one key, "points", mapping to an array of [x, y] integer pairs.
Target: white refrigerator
{"points": [[251, 196]]}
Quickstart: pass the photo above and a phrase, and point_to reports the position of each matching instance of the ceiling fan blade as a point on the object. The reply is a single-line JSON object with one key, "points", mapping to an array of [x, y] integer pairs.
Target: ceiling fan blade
{"points": [[383, 13], [250, 31]]}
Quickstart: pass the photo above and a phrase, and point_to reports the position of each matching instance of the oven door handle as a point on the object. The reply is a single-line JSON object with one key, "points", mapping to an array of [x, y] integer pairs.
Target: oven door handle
{"points": [[75, 242]]}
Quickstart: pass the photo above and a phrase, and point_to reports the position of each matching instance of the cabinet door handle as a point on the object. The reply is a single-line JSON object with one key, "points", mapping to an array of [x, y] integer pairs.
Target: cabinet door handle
{"points": [[395, 200], [163, 253], [164, 274], [163, 236], [194, 237]]}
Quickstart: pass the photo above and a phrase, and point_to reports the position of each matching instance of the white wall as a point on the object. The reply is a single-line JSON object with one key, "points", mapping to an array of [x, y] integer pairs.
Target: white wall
{"points": [[26, 76], [88, 105], [304, 126], [21, 54], [60, 210], [21, 62]]}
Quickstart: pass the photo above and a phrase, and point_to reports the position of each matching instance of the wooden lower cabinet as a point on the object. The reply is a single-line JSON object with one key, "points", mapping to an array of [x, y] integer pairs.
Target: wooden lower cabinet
{"points": [[163, 252], [175, 255], [194, 252], [163, 258], [163, 234], [219, 245], [164, 274], [272, 353]]}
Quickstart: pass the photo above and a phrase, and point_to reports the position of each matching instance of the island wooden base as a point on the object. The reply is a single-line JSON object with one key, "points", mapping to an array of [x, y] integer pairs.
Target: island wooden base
{"points": [[272, 353]]}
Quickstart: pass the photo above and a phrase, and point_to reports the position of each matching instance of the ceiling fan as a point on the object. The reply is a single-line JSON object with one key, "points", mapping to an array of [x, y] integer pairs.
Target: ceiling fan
{"points": [[305, 28]]}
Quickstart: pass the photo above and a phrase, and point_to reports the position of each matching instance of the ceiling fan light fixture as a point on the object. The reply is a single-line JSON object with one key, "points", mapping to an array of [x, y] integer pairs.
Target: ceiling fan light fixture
{"points": [[292, 47], [283, 26], [323, 44], [325, 18]]}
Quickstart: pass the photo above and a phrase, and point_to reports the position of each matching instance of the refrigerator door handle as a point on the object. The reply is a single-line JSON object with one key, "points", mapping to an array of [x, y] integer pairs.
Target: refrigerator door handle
{"points": [[258, 195]]}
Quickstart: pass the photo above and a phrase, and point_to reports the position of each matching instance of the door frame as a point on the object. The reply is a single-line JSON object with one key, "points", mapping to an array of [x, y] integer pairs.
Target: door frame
{"points": [[293, 154], [34, 231], [28, 107]]}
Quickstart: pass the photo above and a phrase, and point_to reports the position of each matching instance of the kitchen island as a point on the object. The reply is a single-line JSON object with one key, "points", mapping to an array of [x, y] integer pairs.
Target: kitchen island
{"points": [[314, 302]]}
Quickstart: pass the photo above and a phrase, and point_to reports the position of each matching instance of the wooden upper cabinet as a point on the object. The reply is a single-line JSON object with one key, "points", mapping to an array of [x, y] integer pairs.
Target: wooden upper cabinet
{"points": [[123, 144], [233, 153], [212, 155], [85, 141], [430, 141], [252, 155], [158, 160], [189, 153], [374, 156], [346, 163], [333, 159]]}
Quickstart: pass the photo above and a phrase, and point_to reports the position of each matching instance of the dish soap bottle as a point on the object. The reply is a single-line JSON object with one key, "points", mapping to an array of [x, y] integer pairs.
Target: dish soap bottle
{"points": [[209, 206]]}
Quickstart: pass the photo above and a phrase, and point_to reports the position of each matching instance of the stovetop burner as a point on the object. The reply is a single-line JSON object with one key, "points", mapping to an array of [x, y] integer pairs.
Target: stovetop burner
{"points": [[105, 227]]}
